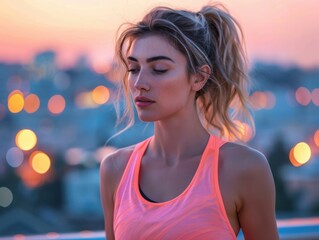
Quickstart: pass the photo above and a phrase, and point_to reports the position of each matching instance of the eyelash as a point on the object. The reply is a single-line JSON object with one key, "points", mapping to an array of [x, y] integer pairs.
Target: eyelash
{"points": [[135, 70], [132, 70]]}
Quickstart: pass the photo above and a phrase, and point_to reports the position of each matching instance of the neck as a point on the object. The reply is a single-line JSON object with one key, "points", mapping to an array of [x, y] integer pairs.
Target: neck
{"points": [[179, 138]]}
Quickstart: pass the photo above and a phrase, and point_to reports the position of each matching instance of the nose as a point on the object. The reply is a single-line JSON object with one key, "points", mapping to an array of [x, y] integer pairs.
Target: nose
{"points": [[141, 82]]}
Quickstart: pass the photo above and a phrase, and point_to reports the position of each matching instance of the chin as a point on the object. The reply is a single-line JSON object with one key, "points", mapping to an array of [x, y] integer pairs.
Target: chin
{"points": [[147, 118]]}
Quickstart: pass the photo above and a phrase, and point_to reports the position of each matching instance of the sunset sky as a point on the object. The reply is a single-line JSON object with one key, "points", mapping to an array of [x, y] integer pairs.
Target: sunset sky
{"points": [[282, 31]]}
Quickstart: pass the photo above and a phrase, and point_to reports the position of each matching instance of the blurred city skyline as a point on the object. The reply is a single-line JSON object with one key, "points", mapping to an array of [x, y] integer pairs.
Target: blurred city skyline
{"points": [[57, 114], [284, 31]]}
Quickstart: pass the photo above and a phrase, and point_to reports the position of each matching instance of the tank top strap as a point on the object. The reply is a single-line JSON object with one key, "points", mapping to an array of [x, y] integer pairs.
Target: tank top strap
{"points": [[137, 153], [127, 179]]}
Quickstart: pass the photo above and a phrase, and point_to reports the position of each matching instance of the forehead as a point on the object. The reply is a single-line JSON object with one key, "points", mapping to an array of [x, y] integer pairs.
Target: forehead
{"points": [[153, 45]]}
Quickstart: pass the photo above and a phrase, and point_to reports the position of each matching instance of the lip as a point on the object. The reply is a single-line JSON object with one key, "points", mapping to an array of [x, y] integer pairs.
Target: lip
{"points": [[141, 101]]}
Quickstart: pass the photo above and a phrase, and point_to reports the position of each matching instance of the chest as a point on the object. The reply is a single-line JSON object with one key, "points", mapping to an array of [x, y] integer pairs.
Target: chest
{"points": [[161, 182]]}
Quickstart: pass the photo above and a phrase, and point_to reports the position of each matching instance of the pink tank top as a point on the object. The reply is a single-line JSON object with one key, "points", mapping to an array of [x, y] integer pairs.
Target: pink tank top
{"points": [[197, 213]]}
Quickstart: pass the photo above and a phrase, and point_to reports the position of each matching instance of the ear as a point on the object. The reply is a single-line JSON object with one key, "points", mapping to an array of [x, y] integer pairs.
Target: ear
{"points": [[200, 78]]}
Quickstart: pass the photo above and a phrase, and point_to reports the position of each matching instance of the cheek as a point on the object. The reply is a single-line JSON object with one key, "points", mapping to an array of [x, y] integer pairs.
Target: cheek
{"points": [[130, 85], [175, 92]]}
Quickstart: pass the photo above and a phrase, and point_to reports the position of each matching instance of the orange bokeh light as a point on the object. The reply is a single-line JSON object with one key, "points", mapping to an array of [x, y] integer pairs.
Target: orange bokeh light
{"points": [[100, 94], [316, 138], [26, 139], [29, 177], [300, 154], [31, 103], [15, 101], [303, 96], [84, 100], [292, 158], [56, 104], [40, 162]]}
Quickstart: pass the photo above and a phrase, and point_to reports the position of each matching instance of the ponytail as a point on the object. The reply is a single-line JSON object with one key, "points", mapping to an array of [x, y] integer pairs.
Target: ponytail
{"points": [[226, 94]]}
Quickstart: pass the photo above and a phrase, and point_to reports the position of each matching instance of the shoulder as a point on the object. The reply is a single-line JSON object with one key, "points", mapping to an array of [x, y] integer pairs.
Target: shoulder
{"points": [[244, 159], [113, 165], [247, 168]]}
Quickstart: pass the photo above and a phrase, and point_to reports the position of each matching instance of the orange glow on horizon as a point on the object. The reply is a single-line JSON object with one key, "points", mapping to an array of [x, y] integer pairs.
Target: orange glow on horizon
{"points": [[272, 29]]}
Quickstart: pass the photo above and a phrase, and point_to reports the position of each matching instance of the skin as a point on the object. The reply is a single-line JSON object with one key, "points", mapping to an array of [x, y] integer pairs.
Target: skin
{"points": [[172, 158]]}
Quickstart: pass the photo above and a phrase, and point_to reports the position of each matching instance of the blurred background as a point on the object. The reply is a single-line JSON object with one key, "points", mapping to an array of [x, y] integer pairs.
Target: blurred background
{"points": [[57, 94]]}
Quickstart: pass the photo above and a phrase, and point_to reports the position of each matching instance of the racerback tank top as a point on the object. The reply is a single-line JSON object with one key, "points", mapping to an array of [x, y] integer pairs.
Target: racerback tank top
{"points": [[197, 213]]}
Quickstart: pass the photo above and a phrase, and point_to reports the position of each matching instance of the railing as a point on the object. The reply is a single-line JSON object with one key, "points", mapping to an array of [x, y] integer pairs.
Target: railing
{"points": [[292, 229]]}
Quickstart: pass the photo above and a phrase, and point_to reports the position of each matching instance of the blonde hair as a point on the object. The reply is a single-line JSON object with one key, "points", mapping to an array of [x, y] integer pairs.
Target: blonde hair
{"points": [[213, 37]]}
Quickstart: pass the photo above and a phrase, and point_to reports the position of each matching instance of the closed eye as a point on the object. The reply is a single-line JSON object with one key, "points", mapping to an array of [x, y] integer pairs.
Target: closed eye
{"points": [[133, 70], [159, 71]]}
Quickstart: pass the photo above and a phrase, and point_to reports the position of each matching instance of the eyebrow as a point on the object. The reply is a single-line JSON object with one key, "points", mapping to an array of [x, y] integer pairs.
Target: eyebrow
{"points": [[151, 59]]}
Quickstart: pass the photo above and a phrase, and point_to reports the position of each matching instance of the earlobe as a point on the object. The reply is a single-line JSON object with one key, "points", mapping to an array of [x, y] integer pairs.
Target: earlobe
{"points": [[201, 77]]}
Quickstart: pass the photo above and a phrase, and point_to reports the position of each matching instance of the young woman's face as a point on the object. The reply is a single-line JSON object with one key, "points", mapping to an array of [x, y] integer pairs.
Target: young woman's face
{"points": [[158, 79]]}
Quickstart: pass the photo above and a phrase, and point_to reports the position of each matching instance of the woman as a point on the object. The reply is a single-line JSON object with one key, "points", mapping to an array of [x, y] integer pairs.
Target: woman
{"points": [[185, 72]]}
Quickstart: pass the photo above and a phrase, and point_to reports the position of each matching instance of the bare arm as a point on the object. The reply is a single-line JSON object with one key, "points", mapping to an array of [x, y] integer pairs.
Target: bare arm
{"points": [[257, 193], [111, 171], [107, 191]]}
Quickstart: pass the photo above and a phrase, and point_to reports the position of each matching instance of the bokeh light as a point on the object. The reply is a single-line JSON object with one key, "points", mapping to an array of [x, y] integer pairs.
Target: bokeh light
{"points": [[15, 101], [315, 96], [56, 104], [271, 100], [303, 96], [6, 197], [300, 154], [316, 138], [84, 100], [26, 139], [100, 94], [31, 103], [292, 158], [74, 156], [263, 100], [30, 178], [14, 157], [40, 162], [259, 99]]}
